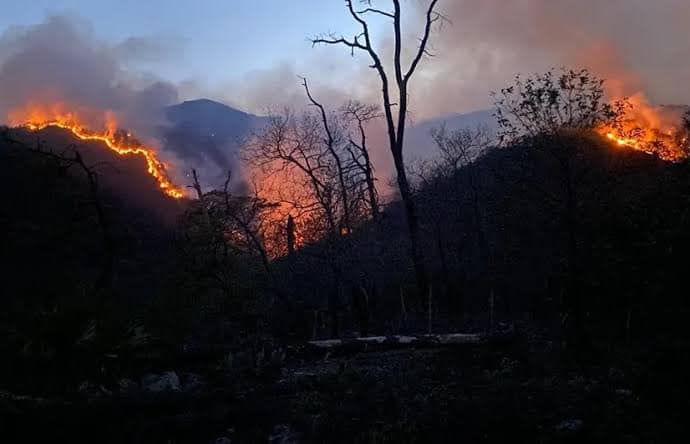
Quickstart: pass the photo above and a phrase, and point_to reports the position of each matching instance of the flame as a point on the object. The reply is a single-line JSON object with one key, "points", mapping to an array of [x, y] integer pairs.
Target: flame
{"points": [[650, 129], [118, 141], [280, 190]]}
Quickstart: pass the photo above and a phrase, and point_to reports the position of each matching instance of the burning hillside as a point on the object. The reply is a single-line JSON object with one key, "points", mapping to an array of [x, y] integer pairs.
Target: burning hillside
{"points": [[117, 140], [655, 130]]}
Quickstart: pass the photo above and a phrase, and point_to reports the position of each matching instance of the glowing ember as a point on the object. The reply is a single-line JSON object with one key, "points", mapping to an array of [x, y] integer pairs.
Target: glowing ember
{"points": [[118, 141]]}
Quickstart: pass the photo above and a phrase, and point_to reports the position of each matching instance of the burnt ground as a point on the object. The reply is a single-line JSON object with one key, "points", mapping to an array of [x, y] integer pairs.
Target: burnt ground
{"points": [[521, 392]]}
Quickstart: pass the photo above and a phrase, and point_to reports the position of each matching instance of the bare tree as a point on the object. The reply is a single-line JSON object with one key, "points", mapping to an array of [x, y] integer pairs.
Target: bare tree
{"points": [[461, 147], [290, 150], [236, 225], [321, 175], [360, 115], [396, 126], [330, 144], [458, 150]]}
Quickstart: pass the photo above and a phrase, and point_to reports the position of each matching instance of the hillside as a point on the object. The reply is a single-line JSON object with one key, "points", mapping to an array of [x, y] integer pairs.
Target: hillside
{"points": [[122, 177], [499, 226], [163, 336]]}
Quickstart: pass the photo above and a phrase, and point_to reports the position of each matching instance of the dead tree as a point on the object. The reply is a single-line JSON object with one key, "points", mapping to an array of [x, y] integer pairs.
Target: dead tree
{"points": [[330, 144], [290, 149], [243, 216], [395, 126], [458, 149], [290, 235], [360, 114], [320, 176]]}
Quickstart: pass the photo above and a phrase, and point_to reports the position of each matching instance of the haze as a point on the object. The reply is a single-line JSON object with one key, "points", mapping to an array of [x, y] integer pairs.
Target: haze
{"points": [[248, 54]]}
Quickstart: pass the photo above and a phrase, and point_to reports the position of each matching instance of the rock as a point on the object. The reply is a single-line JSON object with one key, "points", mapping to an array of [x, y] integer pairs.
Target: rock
{"points": [[283, 434], [91, 390], [570, 425], [625, 393], [127, 386], [167, 382], [192, 383]]}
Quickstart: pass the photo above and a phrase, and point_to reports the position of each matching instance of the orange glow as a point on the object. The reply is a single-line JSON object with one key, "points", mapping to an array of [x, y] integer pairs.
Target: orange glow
{"points": [[280, 189], [653, 130], [37, 118]]}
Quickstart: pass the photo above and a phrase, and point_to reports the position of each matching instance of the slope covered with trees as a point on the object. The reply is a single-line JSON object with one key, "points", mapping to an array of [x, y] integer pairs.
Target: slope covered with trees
{"points": [[526, 287]]}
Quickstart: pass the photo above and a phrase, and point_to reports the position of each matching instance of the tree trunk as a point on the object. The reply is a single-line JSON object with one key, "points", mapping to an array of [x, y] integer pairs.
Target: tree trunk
{"points": [[414, 232], [290, 235]]}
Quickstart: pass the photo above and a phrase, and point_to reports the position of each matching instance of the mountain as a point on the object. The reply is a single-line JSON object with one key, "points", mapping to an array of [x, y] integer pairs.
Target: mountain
{"points": [[420, 143], [204, 131], [207, 133]]}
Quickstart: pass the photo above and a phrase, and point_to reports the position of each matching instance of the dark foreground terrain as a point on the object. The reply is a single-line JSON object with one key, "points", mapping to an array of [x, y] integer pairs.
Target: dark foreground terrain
{"points": [[129, 317], [514, 390]]}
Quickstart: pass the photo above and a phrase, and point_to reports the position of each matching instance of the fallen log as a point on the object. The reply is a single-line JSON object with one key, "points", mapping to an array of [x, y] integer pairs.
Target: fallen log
{"points": [[378, 343], [8, 397]]}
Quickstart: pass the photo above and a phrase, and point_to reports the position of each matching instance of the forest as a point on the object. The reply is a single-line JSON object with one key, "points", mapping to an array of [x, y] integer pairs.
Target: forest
{"points": [[526, 283]]}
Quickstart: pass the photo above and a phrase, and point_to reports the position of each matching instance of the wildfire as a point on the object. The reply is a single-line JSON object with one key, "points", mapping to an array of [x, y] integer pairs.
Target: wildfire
{"points": [[279, 190], [653, 130], [119, 141], [667, 146]]}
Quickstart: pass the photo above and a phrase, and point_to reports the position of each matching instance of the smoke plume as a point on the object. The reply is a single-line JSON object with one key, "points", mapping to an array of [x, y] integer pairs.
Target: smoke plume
{"points": [[637, 45], [61, 61], [62, 66]]}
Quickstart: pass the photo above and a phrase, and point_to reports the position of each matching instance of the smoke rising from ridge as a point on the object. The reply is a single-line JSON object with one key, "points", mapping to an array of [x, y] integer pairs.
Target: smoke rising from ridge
{"points": [[61, 61], [62, 66], [637, 45]]}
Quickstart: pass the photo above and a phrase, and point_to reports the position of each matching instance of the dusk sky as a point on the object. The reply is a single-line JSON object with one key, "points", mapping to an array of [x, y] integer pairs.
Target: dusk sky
{"points": [[249, 53], [209, 41]]}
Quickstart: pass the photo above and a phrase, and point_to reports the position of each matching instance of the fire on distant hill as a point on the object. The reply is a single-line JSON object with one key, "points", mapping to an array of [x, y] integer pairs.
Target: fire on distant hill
{"points": [[117, 140]]}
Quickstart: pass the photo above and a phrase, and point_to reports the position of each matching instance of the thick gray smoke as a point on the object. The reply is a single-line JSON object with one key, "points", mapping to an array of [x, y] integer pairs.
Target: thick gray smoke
{"points": [[61, 61], [60, 66], [638, 45]]}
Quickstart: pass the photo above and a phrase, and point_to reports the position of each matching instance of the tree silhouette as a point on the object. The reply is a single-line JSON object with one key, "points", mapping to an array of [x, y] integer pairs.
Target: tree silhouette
{"points": [[555, 113], [395, 124]]}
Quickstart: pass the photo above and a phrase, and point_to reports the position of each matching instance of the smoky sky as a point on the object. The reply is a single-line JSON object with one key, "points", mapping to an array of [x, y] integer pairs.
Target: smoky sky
{"points": [[62, 60], [637, 45]]}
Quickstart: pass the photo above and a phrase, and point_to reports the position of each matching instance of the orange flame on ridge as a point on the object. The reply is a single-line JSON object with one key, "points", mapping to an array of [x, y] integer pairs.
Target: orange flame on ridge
{"points": [[118, 141], [651, 129]]}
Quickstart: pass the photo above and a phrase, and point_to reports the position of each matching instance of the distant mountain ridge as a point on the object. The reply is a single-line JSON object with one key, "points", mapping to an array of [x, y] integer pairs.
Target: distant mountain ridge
{"points": [[419, 142], [203, 130]]}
